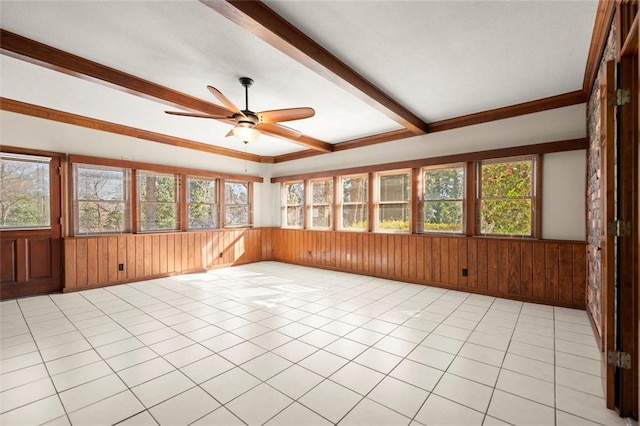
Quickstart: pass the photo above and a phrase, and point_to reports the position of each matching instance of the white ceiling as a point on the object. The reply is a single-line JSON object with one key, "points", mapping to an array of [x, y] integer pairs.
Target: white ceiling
{"points": [[440, 59]]}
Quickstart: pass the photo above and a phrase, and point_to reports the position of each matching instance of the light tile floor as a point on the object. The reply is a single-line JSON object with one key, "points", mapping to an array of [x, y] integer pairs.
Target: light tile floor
{"points": [[270, 343]]}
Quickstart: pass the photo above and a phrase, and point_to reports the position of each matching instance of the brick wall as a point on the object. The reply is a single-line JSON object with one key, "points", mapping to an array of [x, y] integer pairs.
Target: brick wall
{"points": [[594, 190]]}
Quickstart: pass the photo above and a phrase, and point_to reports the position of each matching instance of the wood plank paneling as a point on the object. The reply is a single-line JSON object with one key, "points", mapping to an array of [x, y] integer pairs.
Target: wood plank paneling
{"points": [[565, 272], [514, 267], [549, 272], [526, 269], [551, 268], [82, 254], [539, 271], [93, 261]]}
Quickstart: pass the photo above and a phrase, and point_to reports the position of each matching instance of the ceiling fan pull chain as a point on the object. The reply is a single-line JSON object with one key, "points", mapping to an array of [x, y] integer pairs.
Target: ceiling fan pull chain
{"points": [[245, 156]]}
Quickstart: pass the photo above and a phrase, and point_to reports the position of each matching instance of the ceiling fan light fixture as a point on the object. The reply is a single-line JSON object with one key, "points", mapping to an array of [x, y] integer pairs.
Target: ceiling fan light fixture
{"points": [[246, 132]]}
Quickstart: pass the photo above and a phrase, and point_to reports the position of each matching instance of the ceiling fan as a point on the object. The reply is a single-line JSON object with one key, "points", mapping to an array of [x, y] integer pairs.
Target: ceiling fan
{"points": [[249, 124]]}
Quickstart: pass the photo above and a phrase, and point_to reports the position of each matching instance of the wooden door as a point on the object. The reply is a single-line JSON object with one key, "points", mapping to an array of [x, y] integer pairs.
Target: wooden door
{"points": [[608, 215], [627, 308], [30, 236]]}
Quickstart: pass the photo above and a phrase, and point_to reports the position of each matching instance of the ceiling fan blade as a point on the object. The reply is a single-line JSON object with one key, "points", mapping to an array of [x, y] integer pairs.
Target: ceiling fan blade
{"points": [[229, 134], [278, 131], [288, 114], [189, 114], [225, 101]]}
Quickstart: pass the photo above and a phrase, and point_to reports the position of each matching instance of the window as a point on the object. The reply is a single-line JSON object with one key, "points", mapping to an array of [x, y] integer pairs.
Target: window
{"points": [[157, 201], [101, 199], [443, 194], [393, 192], [24, 192], [202, 203], [506, 196], [293, 204], [354, 197], [237, 203], [321, 203]]}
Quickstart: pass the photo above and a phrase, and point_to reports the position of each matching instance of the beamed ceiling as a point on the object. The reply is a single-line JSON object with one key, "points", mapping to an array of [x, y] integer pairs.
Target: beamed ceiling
{"points": [[373, 71]]}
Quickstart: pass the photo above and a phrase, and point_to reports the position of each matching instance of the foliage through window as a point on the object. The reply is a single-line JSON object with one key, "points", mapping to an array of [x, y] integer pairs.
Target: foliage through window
{"points": [[443, 195], [293, 204], [203, 207], [157, 201], [101, 199], [392, 201], [506, 196], [354, 201], [24, 192], [237, 203], [321, 200]]}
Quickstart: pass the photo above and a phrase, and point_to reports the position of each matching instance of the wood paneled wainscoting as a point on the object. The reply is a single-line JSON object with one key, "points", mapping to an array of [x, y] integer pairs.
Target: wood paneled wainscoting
{"points": [[541, 271], [94, 261]]}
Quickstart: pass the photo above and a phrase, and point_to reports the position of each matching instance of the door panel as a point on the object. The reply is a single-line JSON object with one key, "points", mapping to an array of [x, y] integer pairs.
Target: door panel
{"points": [[607, 242], [30, 258]]}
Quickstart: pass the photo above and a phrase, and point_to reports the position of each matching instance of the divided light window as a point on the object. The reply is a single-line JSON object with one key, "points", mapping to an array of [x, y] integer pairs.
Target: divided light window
{"points": [[158, 201], [101, 199], [354, 197], [321, 203], [24, 191], [443, 198], [293, 204], [506, 196], [203, 207], [237, 203], [392, 203]]}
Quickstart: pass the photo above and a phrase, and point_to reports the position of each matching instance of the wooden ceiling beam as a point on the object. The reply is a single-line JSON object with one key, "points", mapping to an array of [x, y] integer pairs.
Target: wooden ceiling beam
{"points": [[41, 54], [601, 27], [539, 105], [260, 20], [32, 110]]}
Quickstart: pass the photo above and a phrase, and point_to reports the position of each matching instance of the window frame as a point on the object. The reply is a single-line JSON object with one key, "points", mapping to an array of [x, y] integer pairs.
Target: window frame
{"points": [[189, 203], [376, 201], [330, 205], [536, 195], [366, 203], [285, 205], [249, 204], [465, 197], [177, 179], [47, 213], [126, 201]]}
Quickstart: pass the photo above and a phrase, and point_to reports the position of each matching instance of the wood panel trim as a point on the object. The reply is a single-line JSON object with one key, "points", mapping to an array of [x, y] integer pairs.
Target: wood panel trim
{"points": [[539, 105], [437, 260], [157, 255], [137, 165], [32, 110], [630, 45], [558, 101], [542, 148], [34, 52], [263, 22], [601, 28]]}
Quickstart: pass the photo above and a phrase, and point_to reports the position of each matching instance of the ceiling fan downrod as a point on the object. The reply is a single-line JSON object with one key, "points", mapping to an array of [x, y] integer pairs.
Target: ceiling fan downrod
{"points": [[246, 83]]}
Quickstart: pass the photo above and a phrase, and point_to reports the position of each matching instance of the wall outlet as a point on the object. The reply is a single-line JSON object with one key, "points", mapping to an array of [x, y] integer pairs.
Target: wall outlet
{"points": [[120, 266], [348, 257], [221, 254], [465, 272], [309, 253]]}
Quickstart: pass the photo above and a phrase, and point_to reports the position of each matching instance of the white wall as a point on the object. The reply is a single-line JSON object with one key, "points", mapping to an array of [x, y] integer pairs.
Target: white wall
{"points": [[36, 133], [563, 195], [563, 215], [563, 173]]}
